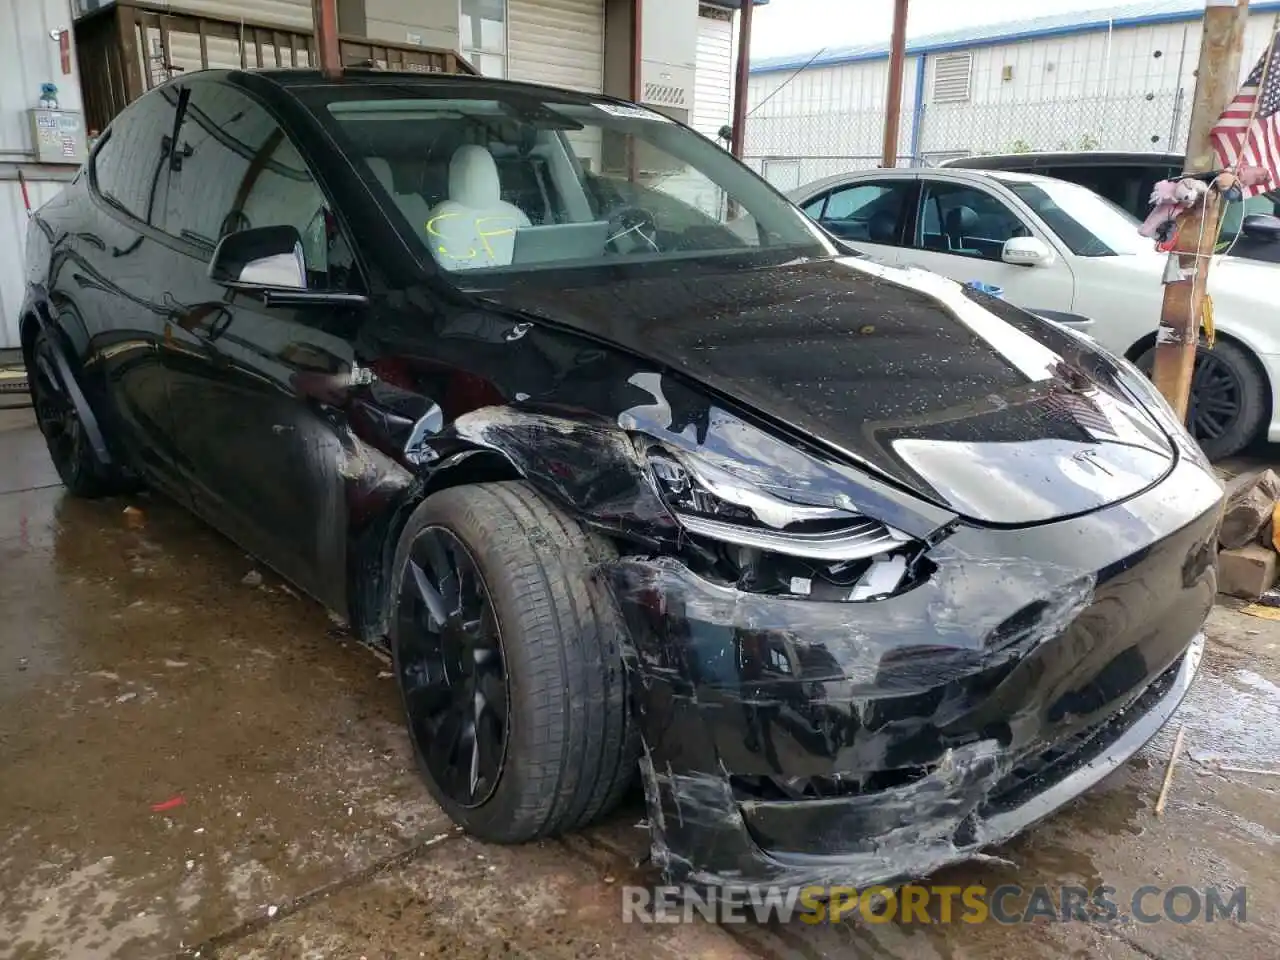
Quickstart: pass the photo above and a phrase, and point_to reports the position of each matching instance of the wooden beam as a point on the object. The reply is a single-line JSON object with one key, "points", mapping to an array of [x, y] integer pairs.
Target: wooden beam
{"points": [[741, 79], [893, 103], [325, 13]]}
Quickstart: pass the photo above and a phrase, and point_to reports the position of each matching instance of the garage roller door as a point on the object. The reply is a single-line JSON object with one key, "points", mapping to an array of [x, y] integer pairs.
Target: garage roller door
{"points": [[560, 42], [713, 76]]}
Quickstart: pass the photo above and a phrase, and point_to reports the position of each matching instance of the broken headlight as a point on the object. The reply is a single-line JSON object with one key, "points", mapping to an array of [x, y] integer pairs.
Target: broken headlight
{"points": [[768, 544]]}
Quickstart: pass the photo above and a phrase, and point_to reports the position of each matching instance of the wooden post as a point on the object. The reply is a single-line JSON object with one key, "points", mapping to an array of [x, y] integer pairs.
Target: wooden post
{"points": [[1217, 82], [637, 81], [893, 104], [325, 15], [741, 79], [130, 55]]}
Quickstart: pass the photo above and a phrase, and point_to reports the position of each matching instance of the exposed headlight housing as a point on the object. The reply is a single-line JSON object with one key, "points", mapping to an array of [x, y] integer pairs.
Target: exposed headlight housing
{"points": [[782, 544]]}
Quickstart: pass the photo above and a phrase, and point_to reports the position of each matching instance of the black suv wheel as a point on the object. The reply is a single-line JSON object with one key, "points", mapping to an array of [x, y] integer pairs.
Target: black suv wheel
{"points": [[1228, 403], [509, 660]]}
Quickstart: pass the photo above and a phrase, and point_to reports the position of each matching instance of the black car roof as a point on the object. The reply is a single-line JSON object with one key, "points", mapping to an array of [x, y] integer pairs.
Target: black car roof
{"points": [[1077, 158], [456, 84]]}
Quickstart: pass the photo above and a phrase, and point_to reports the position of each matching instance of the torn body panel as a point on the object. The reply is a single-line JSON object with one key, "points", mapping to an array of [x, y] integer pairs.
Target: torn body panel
{"points": [[790, 741], [801, 727]]}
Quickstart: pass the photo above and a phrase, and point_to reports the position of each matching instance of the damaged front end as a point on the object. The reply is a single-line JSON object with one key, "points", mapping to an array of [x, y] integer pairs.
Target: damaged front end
{"points": [[837, 682]]}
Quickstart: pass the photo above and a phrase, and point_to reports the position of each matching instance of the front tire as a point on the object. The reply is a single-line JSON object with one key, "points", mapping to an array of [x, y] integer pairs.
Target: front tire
{"points": [[509, 660], [1228, 403]]}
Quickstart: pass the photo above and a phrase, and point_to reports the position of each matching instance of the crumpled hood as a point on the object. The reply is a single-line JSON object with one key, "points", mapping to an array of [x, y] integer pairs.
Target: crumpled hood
{"points": [[970, 403]]}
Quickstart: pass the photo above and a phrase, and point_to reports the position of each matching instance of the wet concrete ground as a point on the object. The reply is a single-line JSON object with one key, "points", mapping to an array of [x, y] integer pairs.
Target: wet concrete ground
{"points": [[192, 764]]}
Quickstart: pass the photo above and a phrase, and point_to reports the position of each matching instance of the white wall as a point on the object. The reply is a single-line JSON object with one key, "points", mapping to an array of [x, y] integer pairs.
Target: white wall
{"points": [[831, 116], [28, 57], [434, 21], [13, 234]]}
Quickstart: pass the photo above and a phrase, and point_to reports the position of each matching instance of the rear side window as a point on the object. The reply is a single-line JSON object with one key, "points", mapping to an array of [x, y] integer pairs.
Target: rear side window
{"points": [[868, 212], [129, 167], [1128, 186], [1119, 184]]}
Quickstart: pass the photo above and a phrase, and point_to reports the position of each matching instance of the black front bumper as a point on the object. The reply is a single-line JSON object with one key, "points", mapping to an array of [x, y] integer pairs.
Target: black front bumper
{"points": [[795, 742]]}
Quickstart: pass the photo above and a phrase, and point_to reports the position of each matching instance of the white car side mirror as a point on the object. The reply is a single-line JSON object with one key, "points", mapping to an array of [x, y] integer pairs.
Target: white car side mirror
{"points": [[1026, 252]]}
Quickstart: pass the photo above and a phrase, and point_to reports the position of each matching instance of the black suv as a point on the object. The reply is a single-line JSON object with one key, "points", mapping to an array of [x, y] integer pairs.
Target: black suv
{"points": [[1251, 228]]}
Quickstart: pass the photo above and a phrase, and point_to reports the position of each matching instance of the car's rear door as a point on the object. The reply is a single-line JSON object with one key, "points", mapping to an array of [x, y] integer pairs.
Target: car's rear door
{"points": [[869, 214], [114, 287], [263, 448], [959, 230]]}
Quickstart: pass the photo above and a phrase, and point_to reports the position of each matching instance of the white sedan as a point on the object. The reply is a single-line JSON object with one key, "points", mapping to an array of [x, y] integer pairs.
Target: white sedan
{"points": [[1058, 248]]}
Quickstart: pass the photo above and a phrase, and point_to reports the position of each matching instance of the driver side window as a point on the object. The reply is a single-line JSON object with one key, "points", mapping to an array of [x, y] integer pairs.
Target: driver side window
{"points": [[239, 170], [964, 221]]}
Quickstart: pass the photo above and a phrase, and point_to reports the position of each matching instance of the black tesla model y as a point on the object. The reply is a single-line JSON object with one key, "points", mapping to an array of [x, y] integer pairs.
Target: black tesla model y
{"points": [[634, 470]]}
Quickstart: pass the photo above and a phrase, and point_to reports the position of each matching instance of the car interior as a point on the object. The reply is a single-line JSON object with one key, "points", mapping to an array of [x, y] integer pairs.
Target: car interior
{"points": [[976, 228], [469, 186], [868, 213]]}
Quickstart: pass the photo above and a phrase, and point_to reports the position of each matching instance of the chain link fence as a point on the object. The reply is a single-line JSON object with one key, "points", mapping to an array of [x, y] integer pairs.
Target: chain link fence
{"points": [[794, 149]]}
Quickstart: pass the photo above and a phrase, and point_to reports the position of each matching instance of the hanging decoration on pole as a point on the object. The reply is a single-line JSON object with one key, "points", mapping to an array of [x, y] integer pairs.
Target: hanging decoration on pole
{"points": [[1186, 218]]}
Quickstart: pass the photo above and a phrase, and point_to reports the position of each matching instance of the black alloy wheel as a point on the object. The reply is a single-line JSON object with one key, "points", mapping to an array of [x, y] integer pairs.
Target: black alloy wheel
{"points": [[452, 669], [1216, 398], [1229, 399], [59, 421], [508, 650], [55, 412]]}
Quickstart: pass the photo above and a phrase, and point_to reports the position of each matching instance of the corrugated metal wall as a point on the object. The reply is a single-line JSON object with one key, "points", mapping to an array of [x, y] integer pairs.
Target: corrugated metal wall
{"points": [[834, 112], [1111, 89], [559, 42]]}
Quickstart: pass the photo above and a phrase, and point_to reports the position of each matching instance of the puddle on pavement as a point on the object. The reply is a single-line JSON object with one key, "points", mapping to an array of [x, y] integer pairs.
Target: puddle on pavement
{"points": [[136, 666]]}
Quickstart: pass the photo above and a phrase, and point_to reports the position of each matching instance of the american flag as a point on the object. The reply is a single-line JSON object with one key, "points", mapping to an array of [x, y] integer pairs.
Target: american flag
{"points": [[1248, 132]]}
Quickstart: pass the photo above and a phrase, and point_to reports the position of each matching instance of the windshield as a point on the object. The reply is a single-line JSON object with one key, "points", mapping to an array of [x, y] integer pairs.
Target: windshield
{"points": [[524, 182], [1090, 225]]}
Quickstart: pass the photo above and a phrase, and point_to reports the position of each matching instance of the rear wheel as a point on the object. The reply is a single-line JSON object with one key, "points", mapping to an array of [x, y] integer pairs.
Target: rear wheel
{"points": [[59, 421], [509, 662], [1228, 402]]}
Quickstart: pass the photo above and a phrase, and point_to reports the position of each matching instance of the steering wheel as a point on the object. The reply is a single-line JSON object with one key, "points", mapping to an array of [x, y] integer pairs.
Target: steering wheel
{"points": [[633, 229]]}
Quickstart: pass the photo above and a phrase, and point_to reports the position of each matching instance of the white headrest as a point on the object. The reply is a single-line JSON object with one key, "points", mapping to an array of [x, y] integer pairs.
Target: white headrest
{"points": [[473, 178], [382, 170]]}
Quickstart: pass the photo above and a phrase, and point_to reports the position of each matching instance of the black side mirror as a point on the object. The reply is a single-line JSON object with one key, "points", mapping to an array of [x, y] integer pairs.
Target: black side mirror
{"points": [[1261, 226], [270, 261]]}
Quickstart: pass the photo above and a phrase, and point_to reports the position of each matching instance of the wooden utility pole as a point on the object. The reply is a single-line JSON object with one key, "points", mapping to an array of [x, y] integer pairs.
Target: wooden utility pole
{"points": [[1217, 82], [324, 13], [742, 77], [893, 105]]}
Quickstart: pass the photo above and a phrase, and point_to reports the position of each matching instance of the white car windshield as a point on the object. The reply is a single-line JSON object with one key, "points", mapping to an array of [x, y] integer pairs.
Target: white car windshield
{"points": [[1090, 225], [519, 182]]}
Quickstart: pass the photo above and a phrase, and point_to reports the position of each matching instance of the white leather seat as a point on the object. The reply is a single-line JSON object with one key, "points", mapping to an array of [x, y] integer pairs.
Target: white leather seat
{"points": [[475, 227], [415, 209]]}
